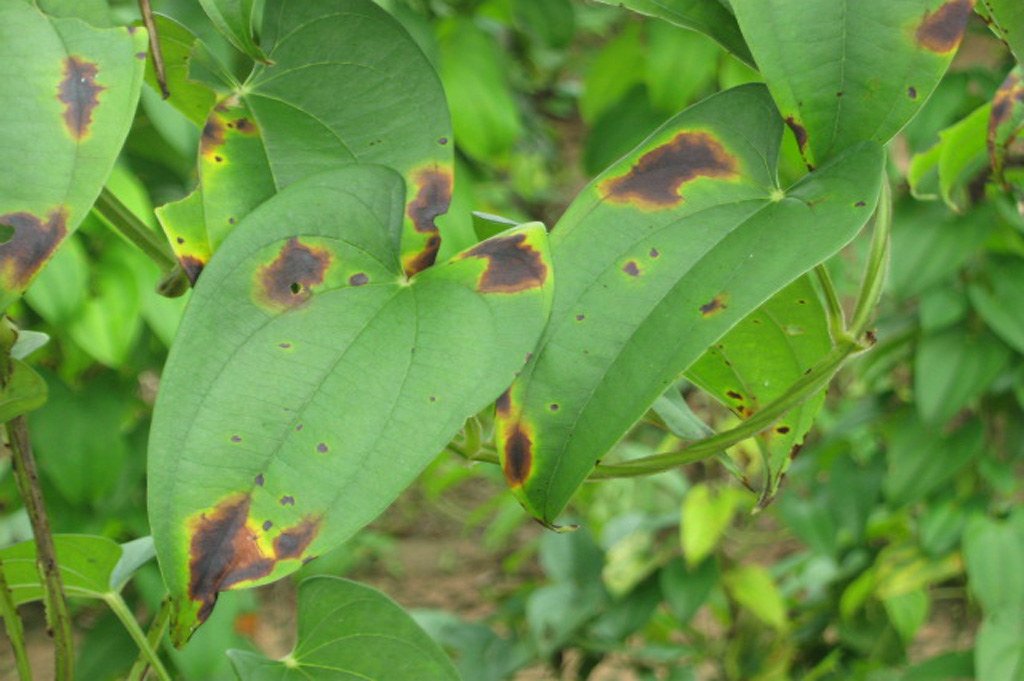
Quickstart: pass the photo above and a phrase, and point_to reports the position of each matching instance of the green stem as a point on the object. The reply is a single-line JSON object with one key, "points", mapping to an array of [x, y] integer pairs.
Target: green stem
{"points": [[157, 629], [15, 630], [125, 222], [878, 263], [810, 383], [833, 308], [146, 647], [57, 616]]}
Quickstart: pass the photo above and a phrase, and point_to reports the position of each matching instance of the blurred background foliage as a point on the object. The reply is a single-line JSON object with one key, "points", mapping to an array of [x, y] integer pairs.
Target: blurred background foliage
{"points": [[895, 549]]}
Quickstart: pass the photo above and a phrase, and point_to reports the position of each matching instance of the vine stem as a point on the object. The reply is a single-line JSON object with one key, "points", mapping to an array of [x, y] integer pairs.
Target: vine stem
{"points": [[128, 225], [147, 644], [878, 263], [15, 630], [27, 478], [833, 308], [154, 47]]}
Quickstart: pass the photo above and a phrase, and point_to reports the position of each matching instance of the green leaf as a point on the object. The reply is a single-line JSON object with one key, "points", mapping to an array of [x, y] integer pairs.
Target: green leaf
{"points": [[67, 102], [922, 459], [1006, 19], [908, 612], [953, 162], [234, 19], [333, 381], [753, 588], [612, 74], [680, 240], [952, 368], [81, 451], [88, 566], [705, 516], [760, 358], [180, 47], [687, 589], [28, 342], [994, 557], [25, 391], [287, 122], [706, 16], [552, 21], [996, 296], [350, 631], [846, 71], [669, 47], [999, 647], [485, 116], [478, 652], [677, 416]]}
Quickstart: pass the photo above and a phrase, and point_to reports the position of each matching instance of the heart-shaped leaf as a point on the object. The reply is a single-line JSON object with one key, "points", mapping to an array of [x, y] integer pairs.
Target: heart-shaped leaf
{"points": [[845, 71], [659, 257], [311, 380], [711, 17], [350, 631], [760, 358], [234, 18], [67, 100], [331, 97], [25, 391]]}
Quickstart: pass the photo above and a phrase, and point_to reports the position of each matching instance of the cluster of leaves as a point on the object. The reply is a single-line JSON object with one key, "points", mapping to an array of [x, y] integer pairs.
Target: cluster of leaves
{"points": [[343, 328]]}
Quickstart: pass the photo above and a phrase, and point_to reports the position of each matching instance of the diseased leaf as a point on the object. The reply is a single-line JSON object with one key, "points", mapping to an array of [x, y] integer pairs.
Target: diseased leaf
{"points": [[706, 16], [287, 424], [846, 71], [350, 631], [289, 121], [760, 358], [1006, 19], [1007, 116], [234, 19], [661, 255], [67, 101], [179, 47]]}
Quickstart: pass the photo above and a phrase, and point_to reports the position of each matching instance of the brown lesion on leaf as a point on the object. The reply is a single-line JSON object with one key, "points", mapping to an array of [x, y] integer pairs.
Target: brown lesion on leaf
{"points": [[30, 245], [1011, 90], [734, 395], [942, 30], [287, 282], [782, 430], [799, 132], [244, 126], [517, 455], [433, 196], [192, 266], [80, 94], [212, 137], [358, 279], [631, 268], [503, 405], [654, 181], [714, 306], [512, 265], [225, 549]]}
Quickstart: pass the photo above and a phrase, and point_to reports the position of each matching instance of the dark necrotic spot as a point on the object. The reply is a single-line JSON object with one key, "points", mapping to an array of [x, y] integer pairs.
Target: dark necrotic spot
{"points": [[287, 501], [503, 405], [799, 131], [713, 306], [432, 199], [734, 395], [322, 448], [267, 524], [782, 430], [433, 398], [293, 542], [631, 269], [259, 480], [860, 204], [236, 438], [912, 92], [580, 317], [518, 456], [287, 280], [213, 135], [284, 346], [941, 30], [192, 267], [358, 279], [655, 179], [30, 243], [181, 240], [443, 141], [654, 253], [140, 55], [223, 552], [245, 126], [1002, 103], [80, 93], [425, 258], [512, 265], [793, 452], [554, 407]]}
